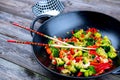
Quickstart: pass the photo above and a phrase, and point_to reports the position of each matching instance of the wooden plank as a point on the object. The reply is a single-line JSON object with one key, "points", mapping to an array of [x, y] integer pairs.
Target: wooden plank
{"points": [[22, 54], [24, 10], [19, 54], [30, 2], [103, 6], [110, 77], [113, 1], [10, 71], [7, 17], [118, 75], [17, 8]]}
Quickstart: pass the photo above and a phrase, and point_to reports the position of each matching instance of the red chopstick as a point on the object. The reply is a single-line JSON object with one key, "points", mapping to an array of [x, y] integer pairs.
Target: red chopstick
{"points": [[39, 33], [27, 42], [53, 45]]}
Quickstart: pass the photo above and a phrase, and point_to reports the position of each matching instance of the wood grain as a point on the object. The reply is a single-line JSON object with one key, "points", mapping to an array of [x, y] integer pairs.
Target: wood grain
{"points": [[21, 55], [10, 71], [20, 12], [17, 8], [103, 6]]}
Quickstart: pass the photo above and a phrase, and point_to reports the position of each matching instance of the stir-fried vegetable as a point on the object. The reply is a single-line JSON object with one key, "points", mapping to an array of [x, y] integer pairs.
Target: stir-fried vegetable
{"points": [[55, 51], [77, 62], [59, 61]]}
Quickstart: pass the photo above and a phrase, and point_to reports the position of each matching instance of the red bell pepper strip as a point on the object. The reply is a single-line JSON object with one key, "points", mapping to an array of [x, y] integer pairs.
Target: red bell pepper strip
{"points": [[94, 63], [110, 61], [77, 59], [60, 68], [70, 57], [93, 52], [98, 73], [98, 58], [68, 63], [93, 30], [51, 57], [79, 74], [103, 66], [72, 51], [93, 46], [74, 39]]}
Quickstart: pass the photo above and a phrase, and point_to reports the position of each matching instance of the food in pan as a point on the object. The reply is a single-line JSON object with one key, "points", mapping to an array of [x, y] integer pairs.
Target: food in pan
{"points": [[83, 62]]}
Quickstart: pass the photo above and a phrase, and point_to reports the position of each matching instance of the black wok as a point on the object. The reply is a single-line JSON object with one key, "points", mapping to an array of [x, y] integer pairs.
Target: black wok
{"points": [[59, 25]]}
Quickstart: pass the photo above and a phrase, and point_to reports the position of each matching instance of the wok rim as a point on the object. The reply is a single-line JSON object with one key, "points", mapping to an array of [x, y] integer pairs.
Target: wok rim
{"points": [[74, 77]]}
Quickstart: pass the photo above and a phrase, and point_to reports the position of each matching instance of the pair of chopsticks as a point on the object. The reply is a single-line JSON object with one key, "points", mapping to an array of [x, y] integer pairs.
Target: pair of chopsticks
{"points": [[42, 44]]}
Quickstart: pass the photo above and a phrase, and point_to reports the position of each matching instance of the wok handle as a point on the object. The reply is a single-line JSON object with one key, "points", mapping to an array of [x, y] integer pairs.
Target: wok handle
{"points": [[116, 71], [36, 19]]}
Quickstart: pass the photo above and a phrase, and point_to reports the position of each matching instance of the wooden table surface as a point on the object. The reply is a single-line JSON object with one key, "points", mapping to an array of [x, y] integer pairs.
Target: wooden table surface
{"points": [[17, 61]]}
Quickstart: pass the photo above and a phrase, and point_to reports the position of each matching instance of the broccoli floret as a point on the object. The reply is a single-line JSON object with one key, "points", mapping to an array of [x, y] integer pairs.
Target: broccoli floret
{"points": [[85, 60], [85, 54], [78, 65], [88, 35], [112, 49], [65, 71], [89, 71], [86, 73], [77, 34], [90, 41], [112, 55], [92, 70], [97, 34], [50, 42], [77, 54], [72, 69], [83, 43], [55, 51], [106, 48], [60, 62], [101, 52], [106, 41], [65, 59], [83, 70]]}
